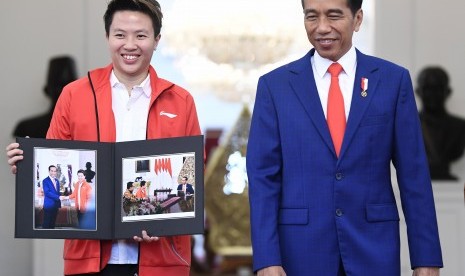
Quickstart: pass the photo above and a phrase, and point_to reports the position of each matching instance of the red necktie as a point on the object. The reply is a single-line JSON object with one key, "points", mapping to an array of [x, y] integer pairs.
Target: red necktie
{"points": [[336, 116]]}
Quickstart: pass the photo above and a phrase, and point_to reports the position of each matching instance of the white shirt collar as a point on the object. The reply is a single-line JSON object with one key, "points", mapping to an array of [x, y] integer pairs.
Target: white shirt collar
{"points": [[144, 85], [347, 61]]}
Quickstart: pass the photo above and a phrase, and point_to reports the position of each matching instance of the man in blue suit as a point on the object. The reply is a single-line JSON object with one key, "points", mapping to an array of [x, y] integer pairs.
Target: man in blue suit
{"points": [[185, 187], [52, 201], [322, 209]]}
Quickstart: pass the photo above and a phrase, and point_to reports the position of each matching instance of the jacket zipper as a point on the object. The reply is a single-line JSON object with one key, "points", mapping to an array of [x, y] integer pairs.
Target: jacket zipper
{"points": [[176, 252]]}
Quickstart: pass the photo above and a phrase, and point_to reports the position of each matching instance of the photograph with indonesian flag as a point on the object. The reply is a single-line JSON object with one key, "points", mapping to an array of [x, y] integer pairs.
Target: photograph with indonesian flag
{"points": [[150, 186]]}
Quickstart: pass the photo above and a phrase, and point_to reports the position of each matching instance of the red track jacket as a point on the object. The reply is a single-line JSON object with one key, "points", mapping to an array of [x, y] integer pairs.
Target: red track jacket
{"points": [[74, 118]]}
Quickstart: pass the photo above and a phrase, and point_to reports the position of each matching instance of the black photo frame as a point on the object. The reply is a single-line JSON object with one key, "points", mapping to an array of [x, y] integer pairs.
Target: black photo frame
{"points": [[161, 212], [143, 165]]}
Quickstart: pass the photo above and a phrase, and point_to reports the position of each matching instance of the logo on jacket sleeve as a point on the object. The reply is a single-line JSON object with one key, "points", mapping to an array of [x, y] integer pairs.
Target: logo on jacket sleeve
{"points": [[169, 115]]}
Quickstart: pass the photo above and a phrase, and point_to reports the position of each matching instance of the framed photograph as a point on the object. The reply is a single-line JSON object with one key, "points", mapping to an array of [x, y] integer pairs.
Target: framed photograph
{"points": [[66, 189], [63, 199], [142, 165]]}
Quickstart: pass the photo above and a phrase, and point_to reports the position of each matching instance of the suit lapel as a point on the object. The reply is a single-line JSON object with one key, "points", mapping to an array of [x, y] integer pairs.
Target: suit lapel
{"points": [[359, 105], [303, 84]]}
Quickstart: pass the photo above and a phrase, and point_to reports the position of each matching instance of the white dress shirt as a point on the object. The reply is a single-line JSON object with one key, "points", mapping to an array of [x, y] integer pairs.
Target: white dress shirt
{"points": [[54, 182], [322, 77], [131, 113]]}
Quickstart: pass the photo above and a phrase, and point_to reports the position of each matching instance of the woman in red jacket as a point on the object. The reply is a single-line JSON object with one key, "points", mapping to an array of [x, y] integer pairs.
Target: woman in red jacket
{"points": [[82, 195], [124, 101], [142, 191]]}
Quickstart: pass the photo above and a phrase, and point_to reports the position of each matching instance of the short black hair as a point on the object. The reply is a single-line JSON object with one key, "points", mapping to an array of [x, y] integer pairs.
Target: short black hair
{"points": [[129, 185], [149, 7], [81, 171], [51, 166], [142, 183], [354, 5]]}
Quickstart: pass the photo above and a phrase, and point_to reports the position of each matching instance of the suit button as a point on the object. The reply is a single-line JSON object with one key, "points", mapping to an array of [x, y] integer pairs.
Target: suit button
{"points": [[339, 176], [339, 212]]}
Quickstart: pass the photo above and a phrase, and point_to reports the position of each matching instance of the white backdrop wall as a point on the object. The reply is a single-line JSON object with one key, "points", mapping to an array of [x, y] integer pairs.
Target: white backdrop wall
{"points": [[32, 32], [413, 33]]}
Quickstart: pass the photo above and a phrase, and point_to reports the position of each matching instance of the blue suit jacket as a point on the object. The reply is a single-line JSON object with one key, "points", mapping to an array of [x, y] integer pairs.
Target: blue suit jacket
{"points": [[189, 188], [309, 209], [51, 194]]}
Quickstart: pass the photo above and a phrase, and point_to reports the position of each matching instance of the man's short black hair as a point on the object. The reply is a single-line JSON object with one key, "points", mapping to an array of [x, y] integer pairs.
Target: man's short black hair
{"points": [[354, 5]]}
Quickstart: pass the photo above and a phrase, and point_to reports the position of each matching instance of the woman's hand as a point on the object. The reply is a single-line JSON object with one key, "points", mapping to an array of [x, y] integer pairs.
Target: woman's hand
{"points": [[145, 238], [14, 154]]}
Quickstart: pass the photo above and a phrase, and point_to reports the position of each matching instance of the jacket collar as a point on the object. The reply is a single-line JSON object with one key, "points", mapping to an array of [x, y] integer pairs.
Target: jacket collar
{"points": [[101, 82], [303, 84], [101, 78]]}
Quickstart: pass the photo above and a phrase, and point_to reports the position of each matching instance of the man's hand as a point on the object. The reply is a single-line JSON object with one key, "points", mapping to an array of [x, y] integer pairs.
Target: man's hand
{"points": [[14, 154], [426, 271], [271, 271], [145, 237]]}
